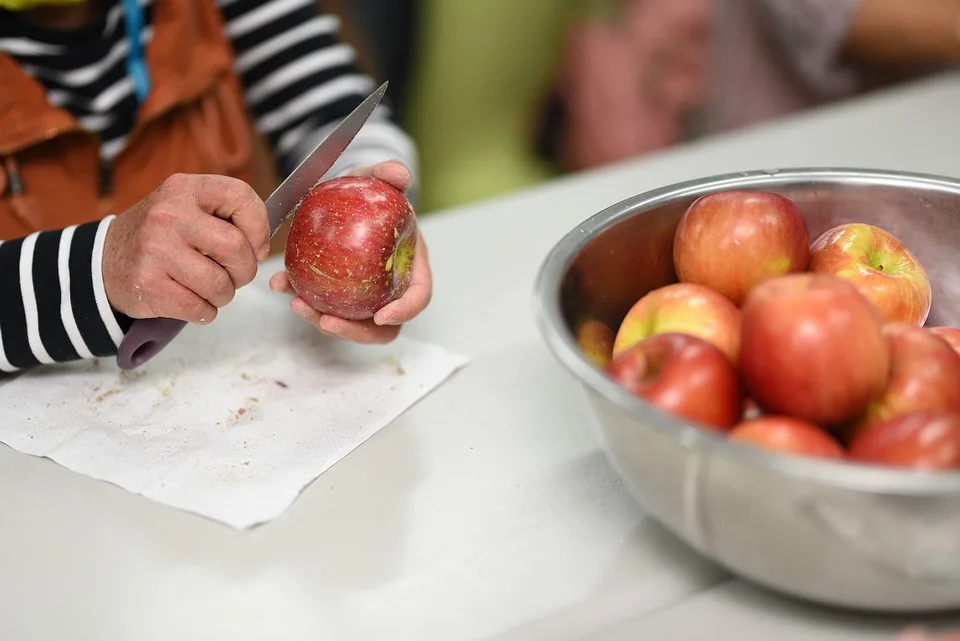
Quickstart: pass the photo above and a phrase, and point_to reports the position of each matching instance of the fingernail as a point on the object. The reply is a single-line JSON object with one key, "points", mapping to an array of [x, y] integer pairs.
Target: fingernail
{"points": [[263, 253]]}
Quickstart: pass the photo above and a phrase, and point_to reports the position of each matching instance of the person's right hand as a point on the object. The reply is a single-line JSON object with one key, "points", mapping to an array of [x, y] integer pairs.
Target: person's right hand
{"points": [[184, 250]]}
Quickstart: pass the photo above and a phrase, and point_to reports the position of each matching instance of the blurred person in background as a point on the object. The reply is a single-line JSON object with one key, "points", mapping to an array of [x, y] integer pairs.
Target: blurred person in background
{"points": [[180, 116], [561, 86], [630, 80], [770, 58], [636, 76]]}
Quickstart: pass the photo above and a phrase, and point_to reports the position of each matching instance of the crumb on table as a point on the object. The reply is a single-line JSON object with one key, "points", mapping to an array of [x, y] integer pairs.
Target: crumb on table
{"points": [[105, 395]]}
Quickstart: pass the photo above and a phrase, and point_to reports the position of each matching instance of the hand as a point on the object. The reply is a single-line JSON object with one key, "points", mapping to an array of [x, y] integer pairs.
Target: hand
{"points": [[385, 324], [184, 250]]}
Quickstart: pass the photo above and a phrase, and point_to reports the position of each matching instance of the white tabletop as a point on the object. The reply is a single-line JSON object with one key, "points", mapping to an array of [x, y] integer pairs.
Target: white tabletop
{"points": [[487, 511]]}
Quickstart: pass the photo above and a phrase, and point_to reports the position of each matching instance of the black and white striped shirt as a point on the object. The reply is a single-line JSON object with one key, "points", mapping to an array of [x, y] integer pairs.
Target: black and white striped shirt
{"points": [[299, 81]]}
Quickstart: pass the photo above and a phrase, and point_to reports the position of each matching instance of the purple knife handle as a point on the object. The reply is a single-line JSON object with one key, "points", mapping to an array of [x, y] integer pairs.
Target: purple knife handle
{"points": [[145, 338]]}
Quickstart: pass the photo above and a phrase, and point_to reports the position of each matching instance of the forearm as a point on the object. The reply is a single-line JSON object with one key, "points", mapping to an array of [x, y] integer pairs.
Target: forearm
{"points": [[893, 31], [53, 305]]}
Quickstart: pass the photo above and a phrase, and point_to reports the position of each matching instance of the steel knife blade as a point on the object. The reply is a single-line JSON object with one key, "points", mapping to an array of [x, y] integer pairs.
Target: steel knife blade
{"points": [[309, 172]]}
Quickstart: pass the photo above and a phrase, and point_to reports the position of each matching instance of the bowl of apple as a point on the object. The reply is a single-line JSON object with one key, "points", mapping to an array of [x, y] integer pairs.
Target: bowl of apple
{"points": [[771, 360]]}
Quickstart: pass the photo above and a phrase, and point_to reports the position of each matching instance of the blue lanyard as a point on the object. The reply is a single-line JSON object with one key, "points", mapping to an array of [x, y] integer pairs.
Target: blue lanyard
{"points": [[136, 63]]}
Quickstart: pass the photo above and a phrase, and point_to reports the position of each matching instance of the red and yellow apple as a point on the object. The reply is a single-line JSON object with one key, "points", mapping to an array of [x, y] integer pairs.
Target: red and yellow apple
{"points": [[924, 377], [880, 266], [686, 308], [595, 339], [731, 240], [683, 375], [950, 334], [787, 434], [351, 246], [920, 440], [812, 347]]}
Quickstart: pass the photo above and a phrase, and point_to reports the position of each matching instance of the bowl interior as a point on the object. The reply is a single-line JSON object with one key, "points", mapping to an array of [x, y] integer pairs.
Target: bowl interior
{"points": [[632, 253], [602, 267]]}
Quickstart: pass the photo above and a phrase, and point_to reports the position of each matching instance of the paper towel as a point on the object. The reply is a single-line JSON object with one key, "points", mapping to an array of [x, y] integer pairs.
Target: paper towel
{"points": [[232, 420]]}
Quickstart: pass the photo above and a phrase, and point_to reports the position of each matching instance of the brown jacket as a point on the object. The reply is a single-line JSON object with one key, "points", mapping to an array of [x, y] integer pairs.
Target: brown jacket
{"points": [[193, 121]]}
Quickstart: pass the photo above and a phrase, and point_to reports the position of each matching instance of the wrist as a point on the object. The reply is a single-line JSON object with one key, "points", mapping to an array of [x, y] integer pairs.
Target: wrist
{"points": [[103, 280]]}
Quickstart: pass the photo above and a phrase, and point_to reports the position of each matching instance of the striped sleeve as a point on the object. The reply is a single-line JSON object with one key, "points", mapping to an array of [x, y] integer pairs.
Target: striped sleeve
{"points": [[53, 304], [300, 81]]}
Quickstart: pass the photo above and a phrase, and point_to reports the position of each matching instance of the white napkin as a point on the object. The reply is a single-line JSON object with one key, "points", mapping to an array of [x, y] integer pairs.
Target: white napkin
{"points": [[231, 421]]}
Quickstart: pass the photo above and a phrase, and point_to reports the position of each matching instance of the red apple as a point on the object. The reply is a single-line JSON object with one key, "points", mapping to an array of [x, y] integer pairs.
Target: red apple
{"points": [[684, 375], [731, 240], [812, 347], [880, 266], [920, 440], [787, 434], [686, 308], [924, 377], [595, 339], [950, 334], [351, 246]]}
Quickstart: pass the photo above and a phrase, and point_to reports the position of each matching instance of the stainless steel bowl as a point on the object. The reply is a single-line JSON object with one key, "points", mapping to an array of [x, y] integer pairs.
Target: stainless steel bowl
{"points": [[840, 534]]}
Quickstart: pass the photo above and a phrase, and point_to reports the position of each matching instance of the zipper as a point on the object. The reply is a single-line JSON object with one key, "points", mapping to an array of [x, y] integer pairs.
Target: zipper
{"points": [[14, 181], [106, 178]]}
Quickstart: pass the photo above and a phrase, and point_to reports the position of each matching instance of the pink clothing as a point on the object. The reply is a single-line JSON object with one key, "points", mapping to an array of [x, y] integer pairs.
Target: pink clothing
{"points": [[628, 84]]}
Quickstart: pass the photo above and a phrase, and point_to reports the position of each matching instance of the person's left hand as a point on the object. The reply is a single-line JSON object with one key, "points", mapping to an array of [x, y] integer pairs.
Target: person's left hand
{"points": [[385, 324]]}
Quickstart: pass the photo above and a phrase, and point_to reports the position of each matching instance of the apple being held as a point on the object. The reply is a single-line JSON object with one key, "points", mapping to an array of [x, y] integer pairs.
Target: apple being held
{"points": [[949, 334], [595, 339], [683, 375], [880, 266], [787, 434], [924, 377], [920, 440], [686, 308], [812, 347], [731, 240], [351, 246]]}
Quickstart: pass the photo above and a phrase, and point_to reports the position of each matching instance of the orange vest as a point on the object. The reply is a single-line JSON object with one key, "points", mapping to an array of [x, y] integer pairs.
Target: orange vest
{"points": [[193, 121]]}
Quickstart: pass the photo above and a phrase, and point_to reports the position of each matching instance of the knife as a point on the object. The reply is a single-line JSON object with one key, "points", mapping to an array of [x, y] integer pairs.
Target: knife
{"points": [[147, 336]]}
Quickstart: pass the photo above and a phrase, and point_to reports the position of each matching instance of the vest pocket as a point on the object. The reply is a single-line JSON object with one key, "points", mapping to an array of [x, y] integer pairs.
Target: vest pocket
{"points": [[218, 124]]}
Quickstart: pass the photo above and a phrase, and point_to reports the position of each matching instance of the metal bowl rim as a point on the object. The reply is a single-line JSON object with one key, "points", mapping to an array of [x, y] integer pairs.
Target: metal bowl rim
{"points": [[549, 320]]}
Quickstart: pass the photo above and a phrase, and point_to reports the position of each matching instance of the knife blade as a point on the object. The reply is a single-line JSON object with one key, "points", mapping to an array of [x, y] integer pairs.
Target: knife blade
{"points": [[309, 172], [147, 336]]}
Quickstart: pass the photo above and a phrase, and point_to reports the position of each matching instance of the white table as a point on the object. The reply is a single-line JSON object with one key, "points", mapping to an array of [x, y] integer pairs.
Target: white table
{"points": [[487, 511]]}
